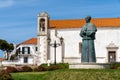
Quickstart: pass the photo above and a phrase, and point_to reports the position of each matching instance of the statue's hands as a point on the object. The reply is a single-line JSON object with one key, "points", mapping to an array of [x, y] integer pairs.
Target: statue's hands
{"points": [[83, 33], [91, 34]]}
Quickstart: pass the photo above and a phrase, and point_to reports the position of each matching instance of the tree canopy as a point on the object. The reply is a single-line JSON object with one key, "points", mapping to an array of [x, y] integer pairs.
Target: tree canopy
{"points": [[5, 46]]}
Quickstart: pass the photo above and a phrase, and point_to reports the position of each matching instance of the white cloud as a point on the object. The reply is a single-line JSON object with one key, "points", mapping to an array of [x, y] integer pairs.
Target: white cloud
{"points": [[6, 3]]}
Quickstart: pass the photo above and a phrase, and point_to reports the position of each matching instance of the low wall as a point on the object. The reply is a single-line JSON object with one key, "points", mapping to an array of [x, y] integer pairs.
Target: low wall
{"points": [[10, 63], [89, 66]]}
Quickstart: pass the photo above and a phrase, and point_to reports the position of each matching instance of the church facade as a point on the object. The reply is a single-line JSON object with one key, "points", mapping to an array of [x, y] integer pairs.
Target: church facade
{"points": [[59, 41]]}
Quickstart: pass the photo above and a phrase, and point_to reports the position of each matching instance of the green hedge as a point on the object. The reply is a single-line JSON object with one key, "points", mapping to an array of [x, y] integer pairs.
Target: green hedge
{"points": [[62, 65], [27, 69], [45, 67], [115, 65], [39, 68]]}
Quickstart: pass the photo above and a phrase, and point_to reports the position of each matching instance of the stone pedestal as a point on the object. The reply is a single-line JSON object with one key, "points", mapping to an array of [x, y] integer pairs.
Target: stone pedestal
{"points": [[89, 66]]}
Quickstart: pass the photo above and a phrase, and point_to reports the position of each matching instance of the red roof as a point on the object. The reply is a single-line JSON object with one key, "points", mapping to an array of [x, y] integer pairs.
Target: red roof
{"points": [[1, 59], [30, 41], [78, 23]]}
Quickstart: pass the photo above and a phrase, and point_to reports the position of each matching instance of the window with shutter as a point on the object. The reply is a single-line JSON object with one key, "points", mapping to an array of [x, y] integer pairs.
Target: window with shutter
{"points": [[26, 50], [23, 50]]}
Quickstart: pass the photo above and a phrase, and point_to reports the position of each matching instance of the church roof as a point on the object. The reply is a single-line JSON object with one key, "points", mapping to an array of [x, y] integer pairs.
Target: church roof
{"points": [[30, 41], [1, 59], [78, 23]]}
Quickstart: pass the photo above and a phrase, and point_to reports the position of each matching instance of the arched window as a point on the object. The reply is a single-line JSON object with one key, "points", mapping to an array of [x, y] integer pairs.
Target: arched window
{"points": [[42, 25]]}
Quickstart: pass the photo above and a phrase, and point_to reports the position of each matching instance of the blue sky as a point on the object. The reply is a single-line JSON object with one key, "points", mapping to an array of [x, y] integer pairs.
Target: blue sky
{"points": [[18, 18]]}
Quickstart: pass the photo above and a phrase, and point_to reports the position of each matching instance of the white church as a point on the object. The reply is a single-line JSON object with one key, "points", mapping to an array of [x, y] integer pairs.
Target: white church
{"points": [[58, 41]]}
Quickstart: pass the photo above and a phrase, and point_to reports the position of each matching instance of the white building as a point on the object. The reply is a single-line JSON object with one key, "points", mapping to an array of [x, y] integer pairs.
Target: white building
{"points": [[38, 50], [27, 51]]}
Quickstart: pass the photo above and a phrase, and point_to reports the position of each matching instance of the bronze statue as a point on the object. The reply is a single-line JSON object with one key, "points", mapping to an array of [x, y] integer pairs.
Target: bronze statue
{"points": [[88, 36]]}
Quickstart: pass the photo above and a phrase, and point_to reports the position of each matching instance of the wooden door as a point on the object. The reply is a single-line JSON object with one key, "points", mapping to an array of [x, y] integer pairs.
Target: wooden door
{"points": [[111, 56]]}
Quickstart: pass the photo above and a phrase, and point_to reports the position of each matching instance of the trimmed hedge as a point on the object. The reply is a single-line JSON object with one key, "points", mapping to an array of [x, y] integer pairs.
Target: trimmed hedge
{"points": [[19, 69], [61, 65], [5, 76], [11, 69], [40, 68], [54, 67], [27, 69], [115, 65]]}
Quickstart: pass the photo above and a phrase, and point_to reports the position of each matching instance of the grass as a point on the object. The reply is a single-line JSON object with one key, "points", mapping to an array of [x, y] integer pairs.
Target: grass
{"points": [[66, 74], [28, 75]]}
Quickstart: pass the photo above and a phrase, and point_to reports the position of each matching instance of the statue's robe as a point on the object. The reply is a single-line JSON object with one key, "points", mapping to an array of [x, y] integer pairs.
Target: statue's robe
{"points": [[88, 36]]}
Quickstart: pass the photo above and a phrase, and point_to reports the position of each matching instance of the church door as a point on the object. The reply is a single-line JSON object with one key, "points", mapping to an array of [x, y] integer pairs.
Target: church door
{"points": [[111, 56]]}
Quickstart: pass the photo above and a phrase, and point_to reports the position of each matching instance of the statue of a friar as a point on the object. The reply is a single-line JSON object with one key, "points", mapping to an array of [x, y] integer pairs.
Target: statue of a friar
{"points": [[87, 33]]}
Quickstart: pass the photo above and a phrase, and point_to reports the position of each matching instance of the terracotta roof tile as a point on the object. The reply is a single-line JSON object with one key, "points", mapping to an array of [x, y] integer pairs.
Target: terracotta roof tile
{"points": [[1, 59], [78, 23], [30, 41]]}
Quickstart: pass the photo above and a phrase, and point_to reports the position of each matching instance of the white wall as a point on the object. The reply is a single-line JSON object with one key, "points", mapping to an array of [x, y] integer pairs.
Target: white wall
{"points": [[104, 37], [30, 60], [71, 44]]}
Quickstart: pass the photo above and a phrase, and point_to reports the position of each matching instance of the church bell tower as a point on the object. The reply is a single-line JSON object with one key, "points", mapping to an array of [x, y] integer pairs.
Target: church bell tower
{"points": [[42, 35]]}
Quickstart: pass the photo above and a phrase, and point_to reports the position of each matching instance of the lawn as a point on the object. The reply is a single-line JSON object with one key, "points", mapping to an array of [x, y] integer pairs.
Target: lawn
{"points": [[28, 75], [66, 74]]}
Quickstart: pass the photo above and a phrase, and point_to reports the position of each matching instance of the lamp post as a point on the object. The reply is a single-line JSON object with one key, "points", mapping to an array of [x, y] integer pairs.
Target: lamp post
{"points": [[55, 45]]}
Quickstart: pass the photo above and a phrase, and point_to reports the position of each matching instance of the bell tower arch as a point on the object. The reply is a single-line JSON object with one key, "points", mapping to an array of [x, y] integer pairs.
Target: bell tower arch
{"points": [[43, 23]]}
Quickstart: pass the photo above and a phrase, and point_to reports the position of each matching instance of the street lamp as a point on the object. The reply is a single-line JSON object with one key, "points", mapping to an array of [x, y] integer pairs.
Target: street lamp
{"points": [[55, 45]]}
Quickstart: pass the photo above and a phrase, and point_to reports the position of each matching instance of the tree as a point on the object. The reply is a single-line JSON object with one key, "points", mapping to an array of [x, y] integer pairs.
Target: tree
{"points": [[6, 47]]}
